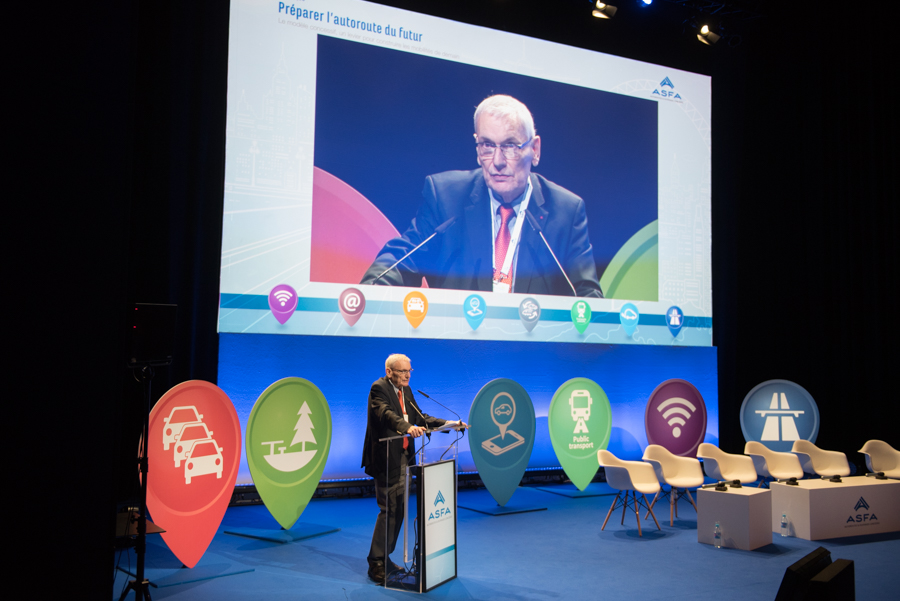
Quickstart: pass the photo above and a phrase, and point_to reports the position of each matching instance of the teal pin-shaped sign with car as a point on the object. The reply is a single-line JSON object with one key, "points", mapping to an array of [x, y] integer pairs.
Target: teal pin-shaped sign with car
{"points": [[501, 436]]}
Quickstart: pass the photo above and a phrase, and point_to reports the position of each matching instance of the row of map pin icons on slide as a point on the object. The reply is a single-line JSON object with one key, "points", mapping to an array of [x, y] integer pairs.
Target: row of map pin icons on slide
{"points": [[352, 304]]}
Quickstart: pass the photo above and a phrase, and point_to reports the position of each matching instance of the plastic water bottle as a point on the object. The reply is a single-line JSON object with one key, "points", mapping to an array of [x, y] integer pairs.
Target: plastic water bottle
{"points": [[717, 537], [784, 524]]}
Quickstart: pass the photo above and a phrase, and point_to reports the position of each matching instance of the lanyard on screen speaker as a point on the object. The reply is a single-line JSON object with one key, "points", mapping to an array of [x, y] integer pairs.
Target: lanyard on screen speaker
{"points": [[438, 230], [536, 227]]}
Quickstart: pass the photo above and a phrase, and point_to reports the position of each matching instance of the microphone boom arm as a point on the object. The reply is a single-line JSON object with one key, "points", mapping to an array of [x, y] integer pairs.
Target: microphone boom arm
{"points": [[536, 227]]}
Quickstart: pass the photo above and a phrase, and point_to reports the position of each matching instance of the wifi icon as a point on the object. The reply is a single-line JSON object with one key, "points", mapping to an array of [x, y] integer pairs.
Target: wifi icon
{"points": [[282, 302], [283, 296], [675, 417], [676, 412]]}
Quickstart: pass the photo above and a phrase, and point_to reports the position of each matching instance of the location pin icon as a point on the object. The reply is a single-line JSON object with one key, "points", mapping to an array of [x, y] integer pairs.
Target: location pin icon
{"points": [[529, 313], [415, 307], [500, 415], [581, 315], [352, 303], [194, 449], [288, 440], [502, 436], [629, 316], [473, 310], [282, 302], [580, 422], [675, 320]]}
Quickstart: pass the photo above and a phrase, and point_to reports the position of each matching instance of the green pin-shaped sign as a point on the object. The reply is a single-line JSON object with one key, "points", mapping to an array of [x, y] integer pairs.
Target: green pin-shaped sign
{"points": [[581, 315], [580, 421], [288, 439]]}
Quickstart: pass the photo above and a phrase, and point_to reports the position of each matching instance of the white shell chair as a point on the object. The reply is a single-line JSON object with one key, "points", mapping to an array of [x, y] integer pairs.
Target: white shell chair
{"points": [[814, 460], [882, 457], [629, 477], [680, 473], [772, 465], [720, 465]]}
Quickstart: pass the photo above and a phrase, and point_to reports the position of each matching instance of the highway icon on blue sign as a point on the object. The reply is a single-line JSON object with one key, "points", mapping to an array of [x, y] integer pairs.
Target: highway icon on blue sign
{"points": [[778, 412]]}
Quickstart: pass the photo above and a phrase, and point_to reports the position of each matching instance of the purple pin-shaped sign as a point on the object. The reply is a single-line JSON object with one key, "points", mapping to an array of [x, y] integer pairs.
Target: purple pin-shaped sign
{"points": [[675, 417], [352, 303], [283, 302]]}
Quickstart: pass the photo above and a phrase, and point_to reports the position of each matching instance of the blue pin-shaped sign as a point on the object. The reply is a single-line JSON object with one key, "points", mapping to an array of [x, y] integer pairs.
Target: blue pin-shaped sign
{"points": [[473, 309], [629, 316], [675, 320]]}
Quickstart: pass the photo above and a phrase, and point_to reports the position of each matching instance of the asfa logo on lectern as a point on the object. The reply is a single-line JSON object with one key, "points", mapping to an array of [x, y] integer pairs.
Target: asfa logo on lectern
{"points": [[439, 512], [861, 517]]}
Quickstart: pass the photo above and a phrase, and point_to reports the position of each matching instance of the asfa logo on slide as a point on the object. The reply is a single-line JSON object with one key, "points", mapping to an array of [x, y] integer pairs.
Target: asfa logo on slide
{"points": [[778, 412], [668, 94], [439, 512], [862, 518]]}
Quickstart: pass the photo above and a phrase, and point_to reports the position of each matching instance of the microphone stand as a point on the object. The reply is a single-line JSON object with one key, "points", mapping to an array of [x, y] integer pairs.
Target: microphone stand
{"points": [[438, 230], [536, 227], [441, 404]]}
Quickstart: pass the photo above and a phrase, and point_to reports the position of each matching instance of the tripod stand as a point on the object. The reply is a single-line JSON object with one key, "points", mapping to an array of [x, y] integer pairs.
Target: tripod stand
{"points": [[140, 585]]}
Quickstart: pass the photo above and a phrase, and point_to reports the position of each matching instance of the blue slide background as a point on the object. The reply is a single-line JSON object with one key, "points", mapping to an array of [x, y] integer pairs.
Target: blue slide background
{"points": [[385, 119], [453, 372]]}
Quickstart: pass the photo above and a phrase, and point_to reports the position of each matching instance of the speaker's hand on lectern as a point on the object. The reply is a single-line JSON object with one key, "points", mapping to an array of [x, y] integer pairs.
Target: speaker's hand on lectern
{"points": [[460, 425], [416, 431]]}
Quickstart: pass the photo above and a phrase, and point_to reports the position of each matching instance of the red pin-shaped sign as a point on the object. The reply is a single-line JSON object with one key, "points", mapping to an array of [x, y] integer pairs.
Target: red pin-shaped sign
{"points": [[193, 452]]}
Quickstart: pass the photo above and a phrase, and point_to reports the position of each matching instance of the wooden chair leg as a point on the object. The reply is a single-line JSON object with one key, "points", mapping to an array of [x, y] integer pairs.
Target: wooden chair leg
{"points": [[624, 507], [652, 503], [651, 513], [688, 493], [673, 506], [637, 511], [611, 507]]}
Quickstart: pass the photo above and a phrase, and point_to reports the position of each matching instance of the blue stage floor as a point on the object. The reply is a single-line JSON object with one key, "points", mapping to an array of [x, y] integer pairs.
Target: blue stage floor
{"points": [[555, 554]]}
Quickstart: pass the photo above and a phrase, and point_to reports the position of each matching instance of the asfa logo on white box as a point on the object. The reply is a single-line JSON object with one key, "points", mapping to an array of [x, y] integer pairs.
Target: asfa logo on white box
{"points": [[439, 512], [669, 94], [861, 517]]}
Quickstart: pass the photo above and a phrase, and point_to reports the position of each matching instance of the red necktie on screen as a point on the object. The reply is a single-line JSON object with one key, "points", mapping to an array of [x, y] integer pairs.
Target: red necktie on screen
{"points": [[403, 409], [501, 244]]}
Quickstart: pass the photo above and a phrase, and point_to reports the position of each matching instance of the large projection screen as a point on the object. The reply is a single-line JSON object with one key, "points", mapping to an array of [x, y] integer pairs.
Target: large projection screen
{"points": [[338, 111]]}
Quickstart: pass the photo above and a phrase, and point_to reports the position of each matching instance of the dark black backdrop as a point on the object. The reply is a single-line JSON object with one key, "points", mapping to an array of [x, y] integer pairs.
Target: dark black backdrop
{"points": [[128, 185]]}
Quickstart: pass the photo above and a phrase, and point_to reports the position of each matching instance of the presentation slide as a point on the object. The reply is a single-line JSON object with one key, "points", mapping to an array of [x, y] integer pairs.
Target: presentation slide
{"points": [[348, 122], [350, 141]]}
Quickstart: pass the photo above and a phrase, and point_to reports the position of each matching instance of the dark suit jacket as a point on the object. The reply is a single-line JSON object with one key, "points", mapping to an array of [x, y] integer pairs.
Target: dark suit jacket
{"points": [[461, 257], [386, 419]]}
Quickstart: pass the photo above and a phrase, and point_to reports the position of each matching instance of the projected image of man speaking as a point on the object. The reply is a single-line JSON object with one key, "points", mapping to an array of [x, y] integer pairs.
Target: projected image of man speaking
{"points": [[500, 228]]}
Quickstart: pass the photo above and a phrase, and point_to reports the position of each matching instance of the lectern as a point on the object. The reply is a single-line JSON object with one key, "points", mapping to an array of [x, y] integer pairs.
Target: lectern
{"points": [[428, 537]]}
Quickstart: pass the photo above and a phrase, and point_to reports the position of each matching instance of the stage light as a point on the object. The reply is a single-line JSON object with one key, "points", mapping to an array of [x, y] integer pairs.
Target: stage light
{"points": [[604, 11], [646, 2], [708, 37]]}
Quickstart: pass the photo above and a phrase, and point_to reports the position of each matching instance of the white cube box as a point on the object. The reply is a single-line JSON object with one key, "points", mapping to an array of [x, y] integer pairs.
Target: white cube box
{"points": [[817, 509], [744, 516]]}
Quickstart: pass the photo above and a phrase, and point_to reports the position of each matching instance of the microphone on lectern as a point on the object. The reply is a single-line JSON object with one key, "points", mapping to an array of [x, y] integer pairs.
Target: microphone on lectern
{"points": [[458, 418], [536, 227], [438, 230]]}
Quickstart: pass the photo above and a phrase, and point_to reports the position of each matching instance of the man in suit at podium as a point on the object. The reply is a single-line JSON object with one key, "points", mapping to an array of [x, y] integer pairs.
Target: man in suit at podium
{"points": [[483, 242], [392, 411]]}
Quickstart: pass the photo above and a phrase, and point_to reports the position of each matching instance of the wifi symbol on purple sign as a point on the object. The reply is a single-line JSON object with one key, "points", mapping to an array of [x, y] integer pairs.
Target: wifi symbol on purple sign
{"points": [[282, 302], [675, 417]]}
